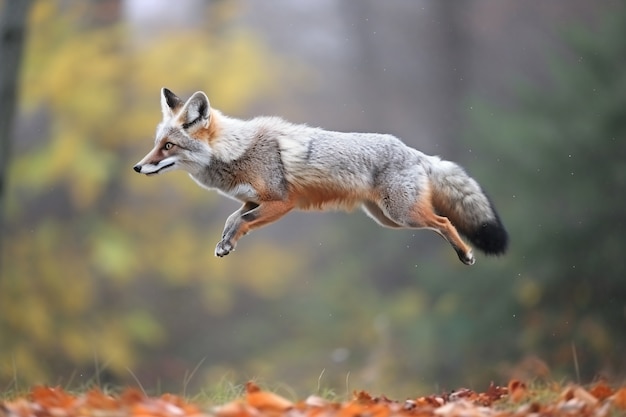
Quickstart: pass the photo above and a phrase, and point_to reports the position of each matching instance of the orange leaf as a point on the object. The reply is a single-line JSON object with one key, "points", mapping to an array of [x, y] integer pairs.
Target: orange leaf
{"points": [[52, 397], [363, 397], [619, 398], [430, 401], [142, 410], [495, 392], [264, 400], [131, 396], [252, 387], [517, 390], [583, 395], [188, 409], [601, 391], [97, 399], [232, 409], [379, 410], [351, 409]]}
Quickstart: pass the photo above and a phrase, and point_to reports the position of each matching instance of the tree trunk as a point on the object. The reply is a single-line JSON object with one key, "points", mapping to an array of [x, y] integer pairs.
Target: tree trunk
{"points": [[12, 30]]}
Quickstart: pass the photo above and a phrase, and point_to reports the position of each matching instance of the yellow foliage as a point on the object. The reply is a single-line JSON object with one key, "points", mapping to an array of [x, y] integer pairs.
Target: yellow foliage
{"points": [[409, 305], [218, 297], [37, 320], [111, 344], [23, 365], [181, 254], [112, 253], [147, 330], [263, 275], [76, 344], [85, 226]]}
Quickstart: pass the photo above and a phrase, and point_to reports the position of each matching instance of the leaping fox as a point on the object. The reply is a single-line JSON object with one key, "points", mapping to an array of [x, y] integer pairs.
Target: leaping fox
{"points": [[273, 166]]}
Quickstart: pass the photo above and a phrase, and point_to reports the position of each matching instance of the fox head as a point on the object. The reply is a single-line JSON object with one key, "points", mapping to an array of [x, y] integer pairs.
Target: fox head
{"points": [[179, 137]]}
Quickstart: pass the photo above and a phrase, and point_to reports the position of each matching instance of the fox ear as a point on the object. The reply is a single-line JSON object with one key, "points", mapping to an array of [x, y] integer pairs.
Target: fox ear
{"points": [[195, 112], [170, 103]]}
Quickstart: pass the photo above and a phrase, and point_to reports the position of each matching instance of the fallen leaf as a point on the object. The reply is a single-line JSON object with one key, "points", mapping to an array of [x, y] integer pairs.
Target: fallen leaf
{"points": [[601, 391], [264, 400], [598, 401], [517, 390], [51, 397], [98, 400], [233, 409], [619, 398]]}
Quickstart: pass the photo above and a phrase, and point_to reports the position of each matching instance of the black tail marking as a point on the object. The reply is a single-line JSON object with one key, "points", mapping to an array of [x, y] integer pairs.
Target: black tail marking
{"points": [[490, 237]]}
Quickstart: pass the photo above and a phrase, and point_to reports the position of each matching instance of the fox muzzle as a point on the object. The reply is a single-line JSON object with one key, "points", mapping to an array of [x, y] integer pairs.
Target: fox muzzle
{"points": [[152, 169]]}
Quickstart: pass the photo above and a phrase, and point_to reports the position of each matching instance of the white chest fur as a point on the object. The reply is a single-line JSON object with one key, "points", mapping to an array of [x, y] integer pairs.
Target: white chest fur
{"points": [[241, 192]]}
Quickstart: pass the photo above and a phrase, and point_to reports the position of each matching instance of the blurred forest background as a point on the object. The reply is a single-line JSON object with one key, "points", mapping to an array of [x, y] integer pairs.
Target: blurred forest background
{"points": [[107, 276]]}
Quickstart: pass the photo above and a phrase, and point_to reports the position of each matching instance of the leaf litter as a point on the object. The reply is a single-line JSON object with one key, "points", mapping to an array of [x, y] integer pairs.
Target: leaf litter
{"points": [[517, 399]]}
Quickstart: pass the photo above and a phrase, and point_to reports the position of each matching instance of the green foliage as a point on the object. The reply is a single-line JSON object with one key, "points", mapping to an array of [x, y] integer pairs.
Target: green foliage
{"points": [[561, 147]]}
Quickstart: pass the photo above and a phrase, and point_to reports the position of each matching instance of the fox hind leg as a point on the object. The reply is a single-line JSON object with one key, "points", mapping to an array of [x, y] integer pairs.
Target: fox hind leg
{"points": [[443, 227], [421, 215], [378, 215]]}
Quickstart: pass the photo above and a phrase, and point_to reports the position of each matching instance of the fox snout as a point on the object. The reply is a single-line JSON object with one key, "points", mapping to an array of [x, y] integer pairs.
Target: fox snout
{"points": [[139, 168], [155, 167], [152, 169]]}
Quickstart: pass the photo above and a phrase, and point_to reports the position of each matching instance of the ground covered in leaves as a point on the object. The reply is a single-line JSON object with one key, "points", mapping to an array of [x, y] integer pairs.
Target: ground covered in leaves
{"points": [[516, 399]]}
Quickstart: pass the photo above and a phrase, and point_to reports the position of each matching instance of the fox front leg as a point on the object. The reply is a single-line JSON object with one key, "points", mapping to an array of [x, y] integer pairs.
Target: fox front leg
{"points": [[250, 216], [233, 224]]}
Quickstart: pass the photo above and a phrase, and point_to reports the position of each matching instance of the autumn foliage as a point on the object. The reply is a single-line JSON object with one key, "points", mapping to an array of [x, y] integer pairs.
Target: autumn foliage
{"points": [[516, 399]]}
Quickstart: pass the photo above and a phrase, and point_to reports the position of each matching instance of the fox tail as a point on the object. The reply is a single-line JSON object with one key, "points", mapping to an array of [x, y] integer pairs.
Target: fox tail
{"points": [[458, 197]]}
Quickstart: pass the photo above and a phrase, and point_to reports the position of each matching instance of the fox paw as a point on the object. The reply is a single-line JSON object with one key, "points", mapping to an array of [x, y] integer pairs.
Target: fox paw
{"points": [[467, 258], [223, 248]]}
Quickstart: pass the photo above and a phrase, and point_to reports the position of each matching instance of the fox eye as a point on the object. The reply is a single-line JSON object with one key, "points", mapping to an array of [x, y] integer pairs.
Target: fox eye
{"points": [[168, 146]]}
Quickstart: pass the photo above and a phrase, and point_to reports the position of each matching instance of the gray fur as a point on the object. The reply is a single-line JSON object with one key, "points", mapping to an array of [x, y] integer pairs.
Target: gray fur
{"points": [[273, 166]]}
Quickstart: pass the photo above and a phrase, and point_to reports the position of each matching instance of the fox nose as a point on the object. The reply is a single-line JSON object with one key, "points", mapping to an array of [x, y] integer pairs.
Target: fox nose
{"points": [[137, 168]]}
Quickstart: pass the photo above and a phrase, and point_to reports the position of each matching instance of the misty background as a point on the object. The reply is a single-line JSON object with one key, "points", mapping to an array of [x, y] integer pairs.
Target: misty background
{"points": [[109, 277]]}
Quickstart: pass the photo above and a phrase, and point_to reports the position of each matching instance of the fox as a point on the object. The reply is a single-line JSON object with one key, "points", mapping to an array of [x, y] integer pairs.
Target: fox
{"points": [[273, 166]]}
